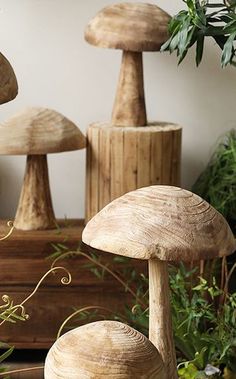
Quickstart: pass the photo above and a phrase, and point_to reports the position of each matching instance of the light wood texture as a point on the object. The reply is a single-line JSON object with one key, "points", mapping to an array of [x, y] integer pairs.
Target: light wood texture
{"points": [[160, 323], [167, 224], [117, 167], [35, 210], [8, 82], [129, 107], [24, 366], [23, 262], [133, 28], [39, 131], [105, 349], [121, 159], [129, 26], [162, 222]]}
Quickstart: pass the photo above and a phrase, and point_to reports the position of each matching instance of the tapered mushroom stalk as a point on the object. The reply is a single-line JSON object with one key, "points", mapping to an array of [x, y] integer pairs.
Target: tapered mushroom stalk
{"points": [[36, 132], [129, 107], [160, 224], [8, 82], [103, 350], [133, 28], [35, 204], [160, 323]]}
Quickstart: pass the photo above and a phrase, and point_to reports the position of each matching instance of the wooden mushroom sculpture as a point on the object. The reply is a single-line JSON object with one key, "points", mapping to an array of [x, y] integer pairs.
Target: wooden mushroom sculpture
{"points": [[36, 132], [103, 349], [129, 153], [8, 82], [132, 28], [161, 224]]}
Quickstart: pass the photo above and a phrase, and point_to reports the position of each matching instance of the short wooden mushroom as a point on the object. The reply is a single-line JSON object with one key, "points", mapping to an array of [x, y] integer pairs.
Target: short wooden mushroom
{"points": [[133, 28], [161, 224], [103, 349], [8, 82], [36, 132]]}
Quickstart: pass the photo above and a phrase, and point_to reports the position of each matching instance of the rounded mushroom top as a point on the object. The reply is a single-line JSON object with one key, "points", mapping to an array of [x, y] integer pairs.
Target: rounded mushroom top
{"points": [[8, 82], [163, 222], [39, 131], [129, 26], [103, 349]]}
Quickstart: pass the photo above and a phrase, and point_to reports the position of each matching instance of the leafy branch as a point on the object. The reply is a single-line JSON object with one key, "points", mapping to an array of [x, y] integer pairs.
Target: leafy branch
{"points": [[11, 313], [204, 19]]}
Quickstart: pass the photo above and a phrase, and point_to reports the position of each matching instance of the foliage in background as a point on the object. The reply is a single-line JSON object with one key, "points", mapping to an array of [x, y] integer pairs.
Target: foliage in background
{"points": [[217, 183], [204, 313], [204, 19]]}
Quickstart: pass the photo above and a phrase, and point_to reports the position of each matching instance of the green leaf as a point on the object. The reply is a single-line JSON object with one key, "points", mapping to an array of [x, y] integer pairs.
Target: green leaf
{"points": [[228, 50], [6, 354], [199, 49], [220, 40], [183, 38]]}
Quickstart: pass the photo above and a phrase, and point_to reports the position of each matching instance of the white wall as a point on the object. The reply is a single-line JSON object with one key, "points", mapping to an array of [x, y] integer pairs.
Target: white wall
{"points": [[43, 39]]}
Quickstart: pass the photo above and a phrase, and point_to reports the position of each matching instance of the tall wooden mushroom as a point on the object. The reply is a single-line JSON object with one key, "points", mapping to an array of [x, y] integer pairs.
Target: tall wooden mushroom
{"points": [[129, 153], [103, 349], [161, 224], [36, 132], [8, 82]]}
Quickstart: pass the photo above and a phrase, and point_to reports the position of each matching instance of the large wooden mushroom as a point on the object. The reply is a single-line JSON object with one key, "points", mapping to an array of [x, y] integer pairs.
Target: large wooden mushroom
{"points": [[161, 224], [103, 349], [132, 28], [129, 152], [36, 132], [8, 82]]}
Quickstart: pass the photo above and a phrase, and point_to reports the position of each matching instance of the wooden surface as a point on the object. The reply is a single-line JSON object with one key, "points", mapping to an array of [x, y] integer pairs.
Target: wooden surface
{"points": [[38, 130], [121, 159], [35, 210], [104, 349], [160, 223], [163, 222], [23, 260], [129, 26], [25, 374], [160, 320], [129, 107], [8, 81]]}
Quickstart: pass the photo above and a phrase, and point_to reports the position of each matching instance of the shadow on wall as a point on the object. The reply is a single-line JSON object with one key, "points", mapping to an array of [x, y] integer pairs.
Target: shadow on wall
{"points": [[191, 169], [11, 179]]}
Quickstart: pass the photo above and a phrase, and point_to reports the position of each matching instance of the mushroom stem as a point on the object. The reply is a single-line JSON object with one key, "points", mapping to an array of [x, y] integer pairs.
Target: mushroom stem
{"points": [[129, 107], [35, 209], [160, 323]]}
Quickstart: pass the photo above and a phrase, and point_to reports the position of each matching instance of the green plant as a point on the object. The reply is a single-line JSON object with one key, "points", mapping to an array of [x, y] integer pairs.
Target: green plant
{"points": [[204, 19], [204, 312], [217, 183], [204, 320]]}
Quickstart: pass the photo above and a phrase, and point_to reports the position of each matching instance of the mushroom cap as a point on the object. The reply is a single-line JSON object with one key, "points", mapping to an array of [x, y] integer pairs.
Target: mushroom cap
{"points": [[103, 349], [129, 26], [39, 131], [163, 222], [8, 82]]}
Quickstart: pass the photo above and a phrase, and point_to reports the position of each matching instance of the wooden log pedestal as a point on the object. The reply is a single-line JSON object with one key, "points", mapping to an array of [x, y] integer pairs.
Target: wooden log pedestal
{"points": [[23, 261], [122, 159]]}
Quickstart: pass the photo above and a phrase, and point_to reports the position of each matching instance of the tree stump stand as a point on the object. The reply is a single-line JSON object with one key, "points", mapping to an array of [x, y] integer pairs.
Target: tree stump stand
{"points": [[122, 159]]}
